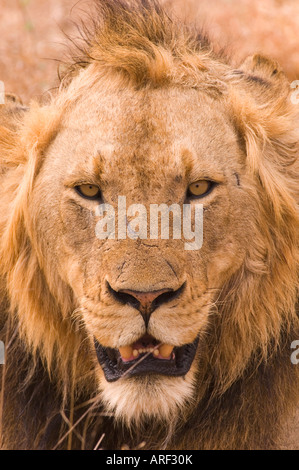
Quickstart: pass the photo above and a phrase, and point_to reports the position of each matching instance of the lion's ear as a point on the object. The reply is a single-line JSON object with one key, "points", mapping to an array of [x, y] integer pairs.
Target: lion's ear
{"points": [[263, 67], [12, 113], [264, 75]]}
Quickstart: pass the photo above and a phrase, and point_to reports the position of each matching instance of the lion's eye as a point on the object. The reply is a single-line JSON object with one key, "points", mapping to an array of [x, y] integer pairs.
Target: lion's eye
{"points": [[200, 188], [89, 191]]}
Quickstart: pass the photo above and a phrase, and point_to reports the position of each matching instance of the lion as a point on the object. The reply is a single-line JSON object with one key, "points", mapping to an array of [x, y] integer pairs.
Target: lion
{"points": [[132, 340]]}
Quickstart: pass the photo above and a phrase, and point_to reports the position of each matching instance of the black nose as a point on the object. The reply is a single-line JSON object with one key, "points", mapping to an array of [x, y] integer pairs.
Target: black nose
{"points": [[145, 302]]}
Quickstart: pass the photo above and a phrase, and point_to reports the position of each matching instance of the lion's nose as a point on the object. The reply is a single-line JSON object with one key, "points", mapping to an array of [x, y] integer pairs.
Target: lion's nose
{"points": [[145, 302]]}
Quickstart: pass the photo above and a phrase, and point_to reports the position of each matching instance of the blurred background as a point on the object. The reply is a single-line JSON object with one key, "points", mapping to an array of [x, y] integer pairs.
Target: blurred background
{"points": [[32, 38]]}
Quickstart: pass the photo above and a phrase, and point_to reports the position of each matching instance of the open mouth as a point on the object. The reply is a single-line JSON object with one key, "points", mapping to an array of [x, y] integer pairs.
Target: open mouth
{"points": [[145, 356]]}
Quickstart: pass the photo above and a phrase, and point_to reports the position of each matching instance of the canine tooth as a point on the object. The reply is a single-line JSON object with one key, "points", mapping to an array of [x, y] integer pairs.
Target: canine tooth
{"points": [[135, 353], [156, 352], [126, 351], [165, 350]]}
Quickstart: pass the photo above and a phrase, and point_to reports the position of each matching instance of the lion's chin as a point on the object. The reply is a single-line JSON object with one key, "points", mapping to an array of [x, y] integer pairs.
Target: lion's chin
{"points": [[134, 399]]}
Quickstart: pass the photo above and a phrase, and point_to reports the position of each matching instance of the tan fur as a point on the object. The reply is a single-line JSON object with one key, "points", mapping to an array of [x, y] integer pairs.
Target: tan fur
{"points": [[147, 110]]}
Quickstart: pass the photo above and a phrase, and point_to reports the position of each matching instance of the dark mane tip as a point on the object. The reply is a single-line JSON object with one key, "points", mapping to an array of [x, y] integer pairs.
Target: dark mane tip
{"points": [[139, 40]]}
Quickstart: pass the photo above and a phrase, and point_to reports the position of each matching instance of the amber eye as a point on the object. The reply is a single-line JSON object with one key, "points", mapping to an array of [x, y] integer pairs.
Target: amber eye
{"points": [[200, 188], [89, 191]]}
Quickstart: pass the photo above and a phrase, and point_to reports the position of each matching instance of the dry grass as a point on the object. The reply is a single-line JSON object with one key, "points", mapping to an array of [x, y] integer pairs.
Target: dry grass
{"points": [[31, 34]]}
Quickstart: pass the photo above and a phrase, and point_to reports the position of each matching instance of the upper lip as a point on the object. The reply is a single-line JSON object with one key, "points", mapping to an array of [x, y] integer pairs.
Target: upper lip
{"points": [[114, 367]]}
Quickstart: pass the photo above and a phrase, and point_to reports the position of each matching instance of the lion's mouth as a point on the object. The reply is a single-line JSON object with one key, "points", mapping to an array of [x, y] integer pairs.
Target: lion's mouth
{"points": [[145, 356]]}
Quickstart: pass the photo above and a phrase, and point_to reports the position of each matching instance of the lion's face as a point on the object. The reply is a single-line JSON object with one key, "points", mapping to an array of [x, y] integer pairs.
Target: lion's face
{"points": [[140, 294]]}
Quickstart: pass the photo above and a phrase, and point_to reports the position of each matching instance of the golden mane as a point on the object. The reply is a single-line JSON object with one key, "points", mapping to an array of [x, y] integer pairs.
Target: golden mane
{"points": [[141, 43]]}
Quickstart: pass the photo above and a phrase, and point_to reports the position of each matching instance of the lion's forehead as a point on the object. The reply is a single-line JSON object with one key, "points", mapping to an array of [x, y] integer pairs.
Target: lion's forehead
{"points": [[148, 115], [177, 128]]}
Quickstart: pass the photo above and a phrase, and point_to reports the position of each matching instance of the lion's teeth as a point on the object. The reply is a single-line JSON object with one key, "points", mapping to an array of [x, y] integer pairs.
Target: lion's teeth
{"points": [[126, 352], [165, 350]]}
